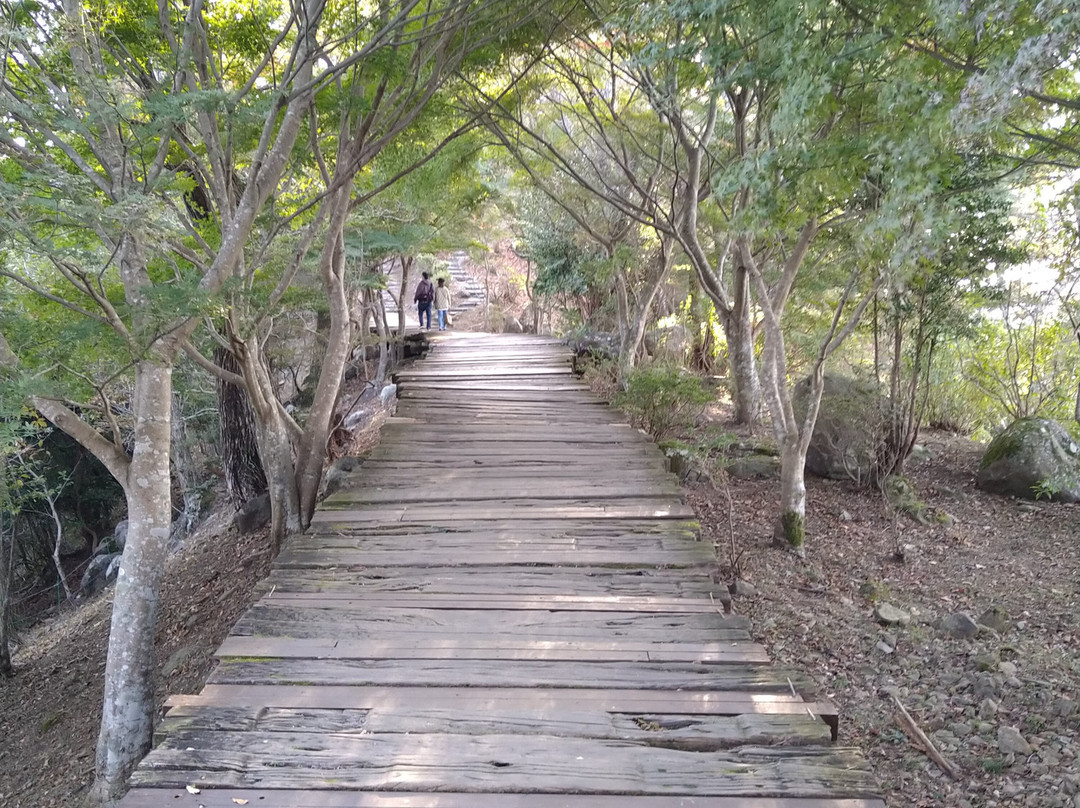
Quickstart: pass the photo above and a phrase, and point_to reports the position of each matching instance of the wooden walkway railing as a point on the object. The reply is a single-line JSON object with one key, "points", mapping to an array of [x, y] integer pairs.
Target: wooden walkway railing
{"points": [[508, 607]]}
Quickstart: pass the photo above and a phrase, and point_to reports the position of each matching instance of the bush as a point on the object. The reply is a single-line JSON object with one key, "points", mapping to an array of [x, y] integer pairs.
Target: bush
{"points": [[663, 400]]}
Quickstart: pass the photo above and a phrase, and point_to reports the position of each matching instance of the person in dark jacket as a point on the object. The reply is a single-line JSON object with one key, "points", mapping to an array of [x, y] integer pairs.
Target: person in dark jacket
{"points": [[425, 293]]}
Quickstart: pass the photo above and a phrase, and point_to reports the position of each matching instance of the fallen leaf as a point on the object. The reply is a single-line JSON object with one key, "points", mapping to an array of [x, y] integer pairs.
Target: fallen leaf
{"points": [[239, 801], [192, 790]]}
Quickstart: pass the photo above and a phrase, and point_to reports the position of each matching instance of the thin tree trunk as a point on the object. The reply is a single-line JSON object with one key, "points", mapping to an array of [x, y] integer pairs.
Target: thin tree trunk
{"points": [[311, 454], [7, 552], [127, 721], [183, 467], [241, 465], [739, 333], [634, 331], [791, 528], [57, 544], [406, 266]]}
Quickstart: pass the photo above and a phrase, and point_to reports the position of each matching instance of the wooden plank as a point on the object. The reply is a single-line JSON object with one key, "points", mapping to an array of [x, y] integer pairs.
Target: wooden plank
{"points": [[631, 701], [523, 509], [443, 673], [497, 763], [493, 649], [263, 798], [502, 600], [691, 732]]}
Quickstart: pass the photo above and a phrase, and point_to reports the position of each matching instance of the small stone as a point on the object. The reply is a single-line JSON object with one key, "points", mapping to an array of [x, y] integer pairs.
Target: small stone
{"points": [[1011, 742], [986, 662], [959, 625], [960, 729], [884, 647], [988, 708], [1008, 668], [742, 589], [996, 618], [845, 516], [1063, 707], [889, 638], [891, 616]]}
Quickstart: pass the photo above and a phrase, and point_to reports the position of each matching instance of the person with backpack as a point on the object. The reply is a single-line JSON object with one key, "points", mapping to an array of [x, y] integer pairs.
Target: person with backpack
{"points": [[425, 293], [442, 303]]}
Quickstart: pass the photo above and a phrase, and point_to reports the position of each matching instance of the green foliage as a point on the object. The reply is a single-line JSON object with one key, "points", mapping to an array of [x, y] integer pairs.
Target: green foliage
{"points": [[663, 400]]}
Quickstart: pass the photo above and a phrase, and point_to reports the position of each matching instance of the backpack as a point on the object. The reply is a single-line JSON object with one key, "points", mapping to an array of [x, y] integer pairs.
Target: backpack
{"points": [[425, 292]]}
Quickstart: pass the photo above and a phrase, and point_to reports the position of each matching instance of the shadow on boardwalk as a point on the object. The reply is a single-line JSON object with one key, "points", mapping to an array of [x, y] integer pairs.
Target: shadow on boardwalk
{"points": [[507, 607]]}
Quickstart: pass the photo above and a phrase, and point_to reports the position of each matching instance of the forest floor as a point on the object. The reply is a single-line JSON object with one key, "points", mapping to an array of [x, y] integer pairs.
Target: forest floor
{"points": [[1000, 706], [50, 710], [816, 615]]}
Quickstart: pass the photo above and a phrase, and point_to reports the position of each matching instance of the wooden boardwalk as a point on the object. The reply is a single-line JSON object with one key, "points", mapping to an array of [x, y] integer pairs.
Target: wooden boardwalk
{"points": [[507, 607]]}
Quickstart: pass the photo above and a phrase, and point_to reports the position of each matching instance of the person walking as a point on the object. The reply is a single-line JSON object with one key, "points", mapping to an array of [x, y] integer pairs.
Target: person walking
{"points": [[442, 302], [425, 293]]}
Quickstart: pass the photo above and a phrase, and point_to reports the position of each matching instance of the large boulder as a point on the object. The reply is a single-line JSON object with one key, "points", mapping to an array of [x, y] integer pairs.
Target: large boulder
{"points": [[1034, 458], [100, 572], [671, 344], [850, 427]]}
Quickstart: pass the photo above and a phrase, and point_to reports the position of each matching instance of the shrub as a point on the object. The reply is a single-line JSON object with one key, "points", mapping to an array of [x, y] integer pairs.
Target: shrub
{"points": [[663, 400]]}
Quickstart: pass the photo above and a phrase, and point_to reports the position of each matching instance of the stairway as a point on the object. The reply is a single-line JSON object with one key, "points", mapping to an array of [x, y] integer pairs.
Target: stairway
{"points": [[466, 292]]}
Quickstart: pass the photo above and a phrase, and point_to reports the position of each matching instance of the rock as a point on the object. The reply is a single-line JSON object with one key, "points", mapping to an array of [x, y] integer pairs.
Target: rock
{"points": [[988, 708], [1011, 742], [889, 615], [754, 466], [1034, 458], [959, 625], [960, 729], [884, 647], [593, 346], [339, 472], [388, 395], [986, 662], [120, 535], [996, 618], [1063, 707], [96, 576], [253, 515], [845, 516], [177, 660], [512, 325], [671, 344], [849, 430], [742, 589], [873, 590], [1008, 668]]}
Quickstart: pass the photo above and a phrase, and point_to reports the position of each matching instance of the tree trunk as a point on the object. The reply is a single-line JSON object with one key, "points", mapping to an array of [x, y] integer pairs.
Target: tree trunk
{"points": [[703, 350], [7, 551], [184, 472], [634, 331], [739, 332], [311, 454], [244, 475], [406, 266], [127, 721], [791, 528]]}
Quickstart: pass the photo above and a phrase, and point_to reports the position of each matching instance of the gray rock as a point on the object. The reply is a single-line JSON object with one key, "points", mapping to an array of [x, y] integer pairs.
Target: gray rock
{"points": [[120, 535], [96, 576], [849, 428], [988, 708], [177, 660], [754, 466], [388, 394], [512, 325], [884, 647], [986, 662], [1011, 742], [339, 473], [742, 589], [1063, 707], [253, 515], [959, 625], [1034, 458], [996, 618], [960, 729], [889, 615], [671, 344], [1008, 668]]}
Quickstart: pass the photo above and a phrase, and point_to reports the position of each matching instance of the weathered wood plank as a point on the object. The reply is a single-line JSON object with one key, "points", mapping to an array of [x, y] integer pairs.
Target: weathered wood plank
{"points": [[493, 649], [262, 798], [502, 600], [498, 763], [691, 732]]}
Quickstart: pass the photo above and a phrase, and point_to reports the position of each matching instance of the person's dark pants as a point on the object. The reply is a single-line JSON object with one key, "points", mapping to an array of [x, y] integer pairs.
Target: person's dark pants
{"points": [[421, 310]]}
